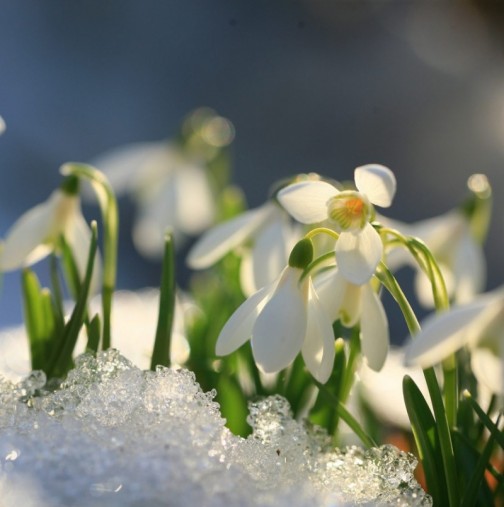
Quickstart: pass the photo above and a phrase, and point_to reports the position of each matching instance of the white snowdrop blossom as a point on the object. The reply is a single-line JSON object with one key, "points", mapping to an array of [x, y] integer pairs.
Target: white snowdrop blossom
{"points": [[479, 325], [170, 182], [459, 255], [353, 304], [2, 125], [271, 233], [37, 232], [359, 247], [281, 320]]}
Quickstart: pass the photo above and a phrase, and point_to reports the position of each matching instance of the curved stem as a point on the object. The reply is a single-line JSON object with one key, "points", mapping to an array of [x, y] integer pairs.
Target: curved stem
{"points": [[110, 217]]}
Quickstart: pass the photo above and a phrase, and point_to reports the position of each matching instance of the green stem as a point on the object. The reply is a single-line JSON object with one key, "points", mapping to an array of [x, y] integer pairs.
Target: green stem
{"points": [[447, 453], [110, 216]]}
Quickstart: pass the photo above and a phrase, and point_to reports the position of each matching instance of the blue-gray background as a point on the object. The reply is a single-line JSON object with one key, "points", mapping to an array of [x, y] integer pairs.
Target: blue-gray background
{"points": [[314, 85]]}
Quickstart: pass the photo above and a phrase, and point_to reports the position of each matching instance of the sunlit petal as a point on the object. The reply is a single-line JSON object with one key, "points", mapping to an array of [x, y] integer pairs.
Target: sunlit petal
{"points": [[238, 328], [358, 254], [442, 335], [330, 287], [223, 238], [280, 328], [318, 347], [30, 231], [374, 329], [307, 201], [377, 182]]}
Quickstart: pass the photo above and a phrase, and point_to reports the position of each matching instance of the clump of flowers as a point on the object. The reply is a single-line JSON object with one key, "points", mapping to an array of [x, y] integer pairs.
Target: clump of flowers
{"points": [[286, 299]]}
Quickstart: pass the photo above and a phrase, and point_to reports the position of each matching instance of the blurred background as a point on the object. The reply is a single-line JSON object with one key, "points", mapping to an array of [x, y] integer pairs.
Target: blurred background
{"points": [[310, 85]]}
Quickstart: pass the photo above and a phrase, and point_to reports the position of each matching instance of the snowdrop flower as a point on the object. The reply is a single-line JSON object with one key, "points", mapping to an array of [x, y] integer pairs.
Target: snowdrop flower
{"points": [[170, 182], [353, 304], [2, 125], [273, 237], [282, 319], [37, 232], [477, 325], [359, 247]]}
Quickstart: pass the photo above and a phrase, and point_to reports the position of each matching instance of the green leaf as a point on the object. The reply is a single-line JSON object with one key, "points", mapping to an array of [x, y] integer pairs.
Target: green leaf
{"points": [[426, 437], [39, 319], [94, 334], [61, 359], [161, 351], [233, 404]]}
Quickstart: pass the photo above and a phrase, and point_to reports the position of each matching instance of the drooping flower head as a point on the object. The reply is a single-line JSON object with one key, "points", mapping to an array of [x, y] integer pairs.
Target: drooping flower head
{"points": [[359, 247], [171, 181], [38, 231], [281, 320]]}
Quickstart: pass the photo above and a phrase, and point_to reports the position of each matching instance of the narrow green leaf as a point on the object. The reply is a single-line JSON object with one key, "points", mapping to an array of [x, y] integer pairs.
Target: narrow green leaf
{"points": [[61, 360], [424, 430], [474, 463], [161, 351], [233, 404], [38, 316], [494, 430]]}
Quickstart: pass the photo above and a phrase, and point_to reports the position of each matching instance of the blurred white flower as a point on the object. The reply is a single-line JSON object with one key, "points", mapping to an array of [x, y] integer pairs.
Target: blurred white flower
{"points": [[281, 320], [170, 181], [459, 255], [2, 125], [383, 392], [359, 247], [479, 324], [353, 304], [37, 233], [272, 235]]}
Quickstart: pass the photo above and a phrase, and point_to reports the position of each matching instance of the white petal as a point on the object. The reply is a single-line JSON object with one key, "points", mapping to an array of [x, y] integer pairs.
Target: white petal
{"points": [[469, 268], [374, 329], [247, 280], [307, 201], [279, 330], [488, 369], [30, 231], [78, 237], [271, 249], [358, 254], [442, 335], [318, 346], [195, 207], [238, 328], [377, 182], [223, 238], [330, 287]]}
